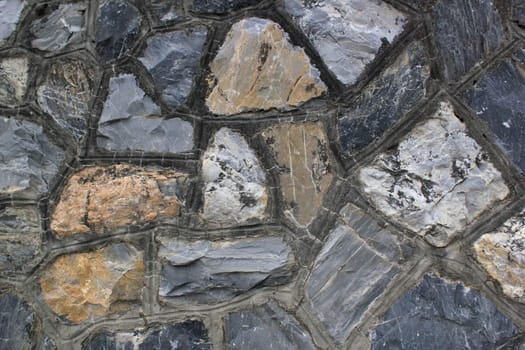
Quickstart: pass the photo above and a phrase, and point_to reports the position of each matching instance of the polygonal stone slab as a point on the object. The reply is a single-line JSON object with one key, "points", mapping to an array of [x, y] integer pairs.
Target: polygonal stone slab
{"points": [[11, 11], [14, 74], [17, 324]]}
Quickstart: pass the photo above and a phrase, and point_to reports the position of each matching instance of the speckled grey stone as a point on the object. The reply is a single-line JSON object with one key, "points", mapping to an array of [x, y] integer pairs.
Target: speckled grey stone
{"points": [[11, 11], [220, 6], [17, 324], [14, 73]]}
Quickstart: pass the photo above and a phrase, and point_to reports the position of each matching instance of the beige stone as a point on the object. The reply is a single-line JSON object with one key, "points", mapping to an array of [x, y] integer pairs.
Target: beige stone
{"points": [[257, 68], [13, 80]]}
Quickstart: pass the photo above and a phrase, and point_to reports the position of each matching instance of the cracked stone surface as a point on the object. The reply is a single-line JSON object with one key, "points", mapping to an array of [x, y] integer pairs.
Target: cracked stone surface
{"points": [[14, 73], [17, 324], [11, 11], [437, 181]]}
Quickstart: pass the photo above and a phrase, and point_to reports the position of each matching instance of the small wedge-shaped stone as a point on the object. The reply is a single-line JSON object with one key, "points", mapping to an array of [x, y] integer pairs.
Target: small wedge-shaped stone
{"points": [[13, 80], [84, 286], [11, 11], [97, 199], [258, 68]]}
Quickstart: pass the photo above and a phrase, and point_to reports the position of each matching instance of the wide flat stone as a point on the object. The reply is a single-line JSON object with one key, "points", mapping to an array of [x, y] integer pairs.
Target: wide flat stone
{"points": [[209, 272], [306, 165], [347, 34], [220, 6], [86, 286], [234, 182], [385, 100], [11, 11], [17, 324], [436, 181], [265, 327], [279, 76], [438, 314], [172, 59], [14, 73], [98, 199]]}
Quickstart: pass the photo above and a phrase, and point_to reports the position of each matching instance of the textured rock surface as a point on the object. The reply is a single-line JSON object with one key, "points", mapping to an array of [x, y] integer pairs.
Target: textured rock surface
{"points": [[265, 327], [172, 59], [442, 315], [11, 11], [437, 181], [17, 324], [220, 6], [518, 12], [234, 190], [163, 11], [209, 272], [385, 100], [347, 34], [303, 155], [98, 199], [356, 263], [502, 254], [13, 80], [457, 22], [279, 76], [84, 286]]}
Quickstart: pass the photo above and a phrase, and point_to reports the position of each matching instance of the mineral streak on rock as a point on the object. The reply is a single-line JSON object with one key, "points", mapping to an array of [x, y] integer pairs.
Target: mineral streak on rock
{"points": [[17, 324], [235, 184], [257, 68], [11, 11], [220, 6], [347, 34], [83, 286], [98, 199], [13, 80], [437, 181], [303, 155], [210, 272]]}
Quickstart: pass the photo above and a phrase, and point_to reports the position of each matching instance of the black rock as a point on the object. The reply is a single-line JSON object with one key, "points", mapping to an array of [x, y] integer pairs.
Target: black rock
{"points": [[220, 6], [17, 324]]}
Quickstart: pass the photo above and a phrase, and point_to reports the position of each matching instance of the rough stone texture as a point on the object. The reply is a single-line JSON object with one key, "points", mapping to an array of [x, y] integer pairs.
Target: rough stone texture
{"points": [[13, 80], [437, 181], [11, 11], [220, 6], [61, 28], [29, 161], [518, 12], [171, 11], [458, 22], [234, 182], [265, 327], [210, 272], [442, 315], [67, 94], [357, 262], [499, 100], [98, 199], [303, 155], [502, 254], [186, 335], [172, 59], [347, 34], [385, 100], [118, 27], [84, 286], [17, 324], [279, 76]]}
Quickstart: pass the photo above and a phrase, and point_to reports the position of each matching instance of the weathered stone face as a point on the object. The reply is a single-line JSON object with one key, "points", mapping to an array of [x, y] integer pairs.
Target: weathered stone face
{"points": [[436, 182], [279, 76], [98, 199], [11, 11], [83, 286], [17, 324], [13, 80]]}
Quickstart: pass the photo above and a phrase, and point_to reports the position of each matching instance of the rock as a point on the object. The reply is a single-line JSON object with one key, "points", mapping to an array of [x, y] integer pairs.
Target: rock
{"points": [[457, 22], [499, 100], [385, 100], [98, 199], [29, 162], [173, 59], [347, 34], [265, 327], [278, 76], [118, 28], [518, 12], [234, 182], [502, 255], [13, 80], [303, 155], [357, 262], [165, 12], [17, 324], [86, 286], [220, 6], [436, 182], [61, 28], [11, 11], [210, 272], [438, 314], [67, 94]]}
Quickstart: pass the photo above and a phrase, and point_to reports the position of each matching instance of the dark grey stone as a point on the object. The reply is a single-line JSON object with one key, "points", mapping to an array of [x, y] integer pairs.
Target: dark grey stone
{"points": [[17, 324], [11, 11], [221, 6], [518, 12], [438, 314], [167, 11]]}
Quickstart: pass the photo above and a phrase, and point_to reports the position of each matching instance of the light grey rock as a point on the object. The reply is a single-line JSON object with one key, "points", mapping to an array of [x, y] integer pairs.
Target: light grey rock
{"points": [[437, 181], [208, 272], [234, 190], [347, 33], [10, 11], [14, 73], [17, 324]]}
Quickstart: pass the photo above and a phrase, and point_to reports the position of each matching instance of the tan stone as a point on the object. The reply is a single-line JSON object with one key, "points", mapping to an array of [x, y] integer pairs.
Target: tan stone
{"points": [[257, 68], [14, 73], [303, 154], [89, 285], [96, 199]]}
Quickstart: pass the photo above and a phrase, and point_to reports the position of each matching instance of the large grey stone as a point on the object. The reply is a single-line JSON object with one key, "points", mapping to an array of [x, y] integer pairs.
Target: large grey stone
{"points": [[14, 73], [347, 33], [208, 272], [11, 11], [17, 324]]}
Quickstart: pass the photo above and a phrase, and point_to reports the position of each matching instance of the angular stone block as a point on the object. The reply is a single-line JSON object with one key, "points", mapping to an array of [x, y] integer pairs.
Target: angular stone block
{"points": [[14, 73], [17, 324], [11, 11]]}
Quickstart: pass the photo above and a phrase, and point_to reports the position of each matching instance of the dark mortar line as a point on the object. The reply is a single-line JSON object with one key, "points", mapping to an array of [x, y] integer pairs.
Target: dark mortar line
{"points": [[405, 8], [518, 31]]}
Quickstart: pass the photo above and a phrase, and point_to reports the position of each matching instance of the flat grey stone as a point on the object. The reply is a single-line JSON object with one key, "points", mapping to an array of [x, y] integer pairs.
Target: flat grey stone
{"points": [[347, 33], [17, 324], [14, 73], [209, 272], [11, 11], [220, 6]]}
